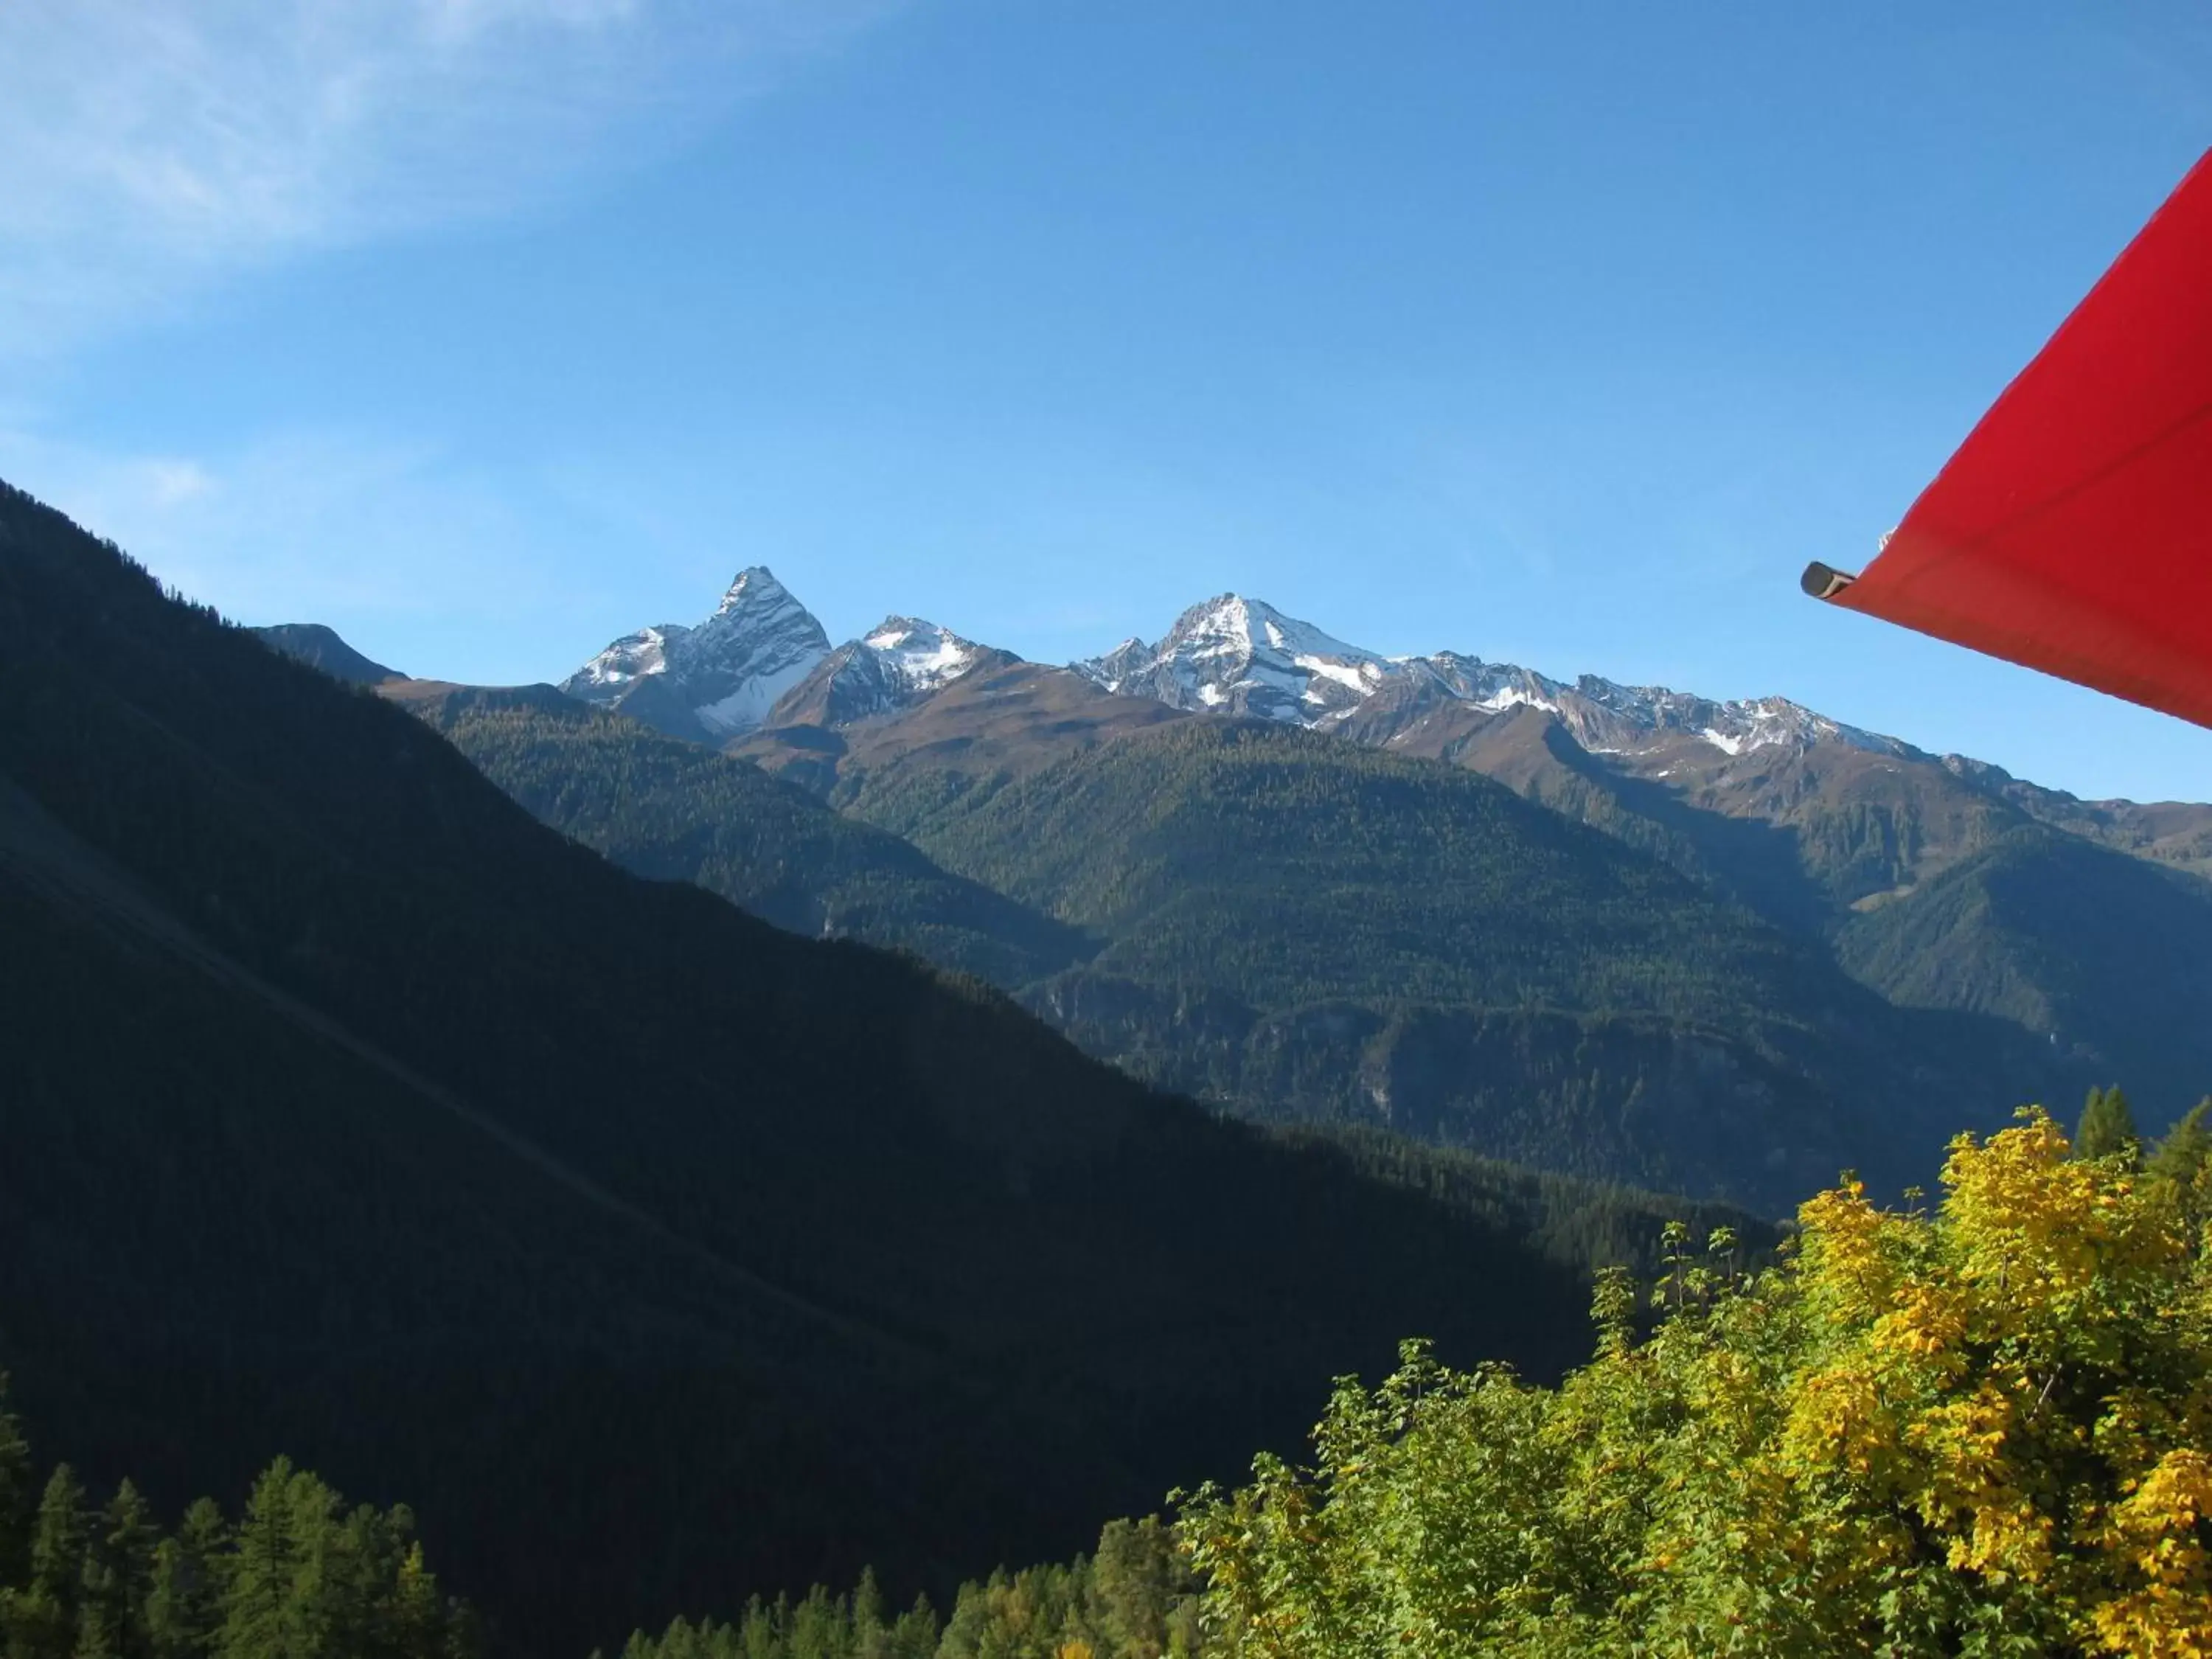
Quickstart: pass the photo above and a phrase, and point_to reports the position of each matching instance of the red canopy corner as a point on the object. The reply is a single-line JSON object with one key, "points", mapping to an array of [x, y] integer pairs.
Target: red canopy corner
{"points": [[2072, 533]]}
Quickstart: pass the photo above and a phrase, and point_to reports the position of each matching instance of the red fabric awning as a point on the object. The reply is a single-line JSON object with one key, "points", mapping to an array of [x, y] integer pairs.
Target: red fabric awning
{"points": [[2072, 532]]}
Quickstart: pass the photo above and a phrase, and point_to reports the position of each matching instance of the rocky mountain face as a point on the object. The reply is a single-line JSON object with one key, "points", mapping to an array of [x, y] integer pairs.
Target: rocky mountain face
{"points": [[712, 681], [898, 663], [1920, 870], [763, 660]]}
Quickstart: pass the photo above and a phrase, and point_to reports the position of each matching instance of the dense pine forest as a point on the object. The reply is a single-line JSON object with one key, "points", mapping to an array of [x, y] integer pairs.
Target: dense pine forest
{"points": [[295, 1572]]}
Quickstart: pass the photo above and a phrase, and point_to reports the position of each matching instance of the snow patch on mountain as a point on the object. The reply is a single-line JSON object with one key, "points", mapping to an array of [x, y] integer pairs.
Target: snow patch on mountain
{"points": [[629, 658], [920, 655], [894, 665]]}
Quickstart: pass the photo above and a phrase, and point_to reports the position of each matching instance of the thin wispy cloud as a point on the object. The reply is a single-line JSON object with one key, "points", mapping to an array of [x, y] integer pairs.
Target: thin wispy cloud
{"points": [[149, 147]]}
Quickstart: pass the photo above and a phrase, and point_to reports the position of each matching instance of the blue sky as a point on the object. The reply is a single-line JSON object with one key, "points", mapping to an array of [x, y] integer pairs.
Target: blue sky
{"points": [[487, 330]]}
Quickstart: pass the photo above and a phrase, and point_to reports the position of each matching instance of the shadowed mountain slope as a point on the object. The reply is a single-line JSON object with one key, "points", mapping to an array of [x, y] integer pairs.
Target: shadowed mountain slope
{"points": [[352, 1114], [320, 647]]}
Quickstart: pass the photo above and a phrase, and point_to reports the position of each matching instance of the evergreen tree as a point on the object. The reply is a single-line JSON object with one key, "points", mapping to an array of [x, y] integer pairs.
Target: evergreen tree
{"points": [[183, 1602], [59, 1538], [2184, 1150], [915, 1635], [15, 1493], [871, 1633], [261, 1600], [1139, 1583], [39, 1616], [2108, 1126], [760, 1639], [416, 1617], [120, 1578], [97, 1634]]}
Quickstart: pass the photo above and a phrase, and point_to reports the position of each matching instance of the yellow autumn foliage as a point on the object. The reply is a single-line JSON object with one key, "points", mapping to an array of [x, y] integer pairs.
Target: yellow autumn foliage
{"points": [[1982, 1430]]}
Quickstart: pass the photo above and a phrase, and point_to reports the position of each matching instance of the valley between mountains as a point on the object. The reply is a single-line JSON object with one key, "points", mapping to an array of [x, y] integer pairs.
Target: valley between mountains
{"points": [[1719, 948], [658, 1255], [493, 1098]]}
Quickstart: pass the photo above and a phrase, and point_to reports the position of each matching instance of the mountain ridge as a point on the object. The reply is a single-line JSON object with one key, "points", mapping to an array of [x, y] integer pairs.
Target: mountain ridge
{"points": [[762, 661]]}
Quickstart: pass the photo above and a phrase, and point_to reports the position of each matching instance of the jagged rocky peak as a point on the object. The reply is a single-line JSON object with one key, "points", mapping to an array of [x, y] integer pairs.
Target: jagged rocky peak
{"points": [[1117, 665], [1606, 717], [1239, 655], [717, 678]]}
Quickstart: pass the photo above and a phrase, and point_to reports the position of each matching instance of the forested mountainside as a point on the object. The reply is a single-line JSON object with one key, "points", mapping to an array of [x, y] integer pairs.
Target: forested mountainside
{"points": [[1815, 825], [1622, 1057], [353, 1115], [2064, 935], [1388, 986], [1776, 1467], [1294, 927], [1309, 929], [673, 811]]}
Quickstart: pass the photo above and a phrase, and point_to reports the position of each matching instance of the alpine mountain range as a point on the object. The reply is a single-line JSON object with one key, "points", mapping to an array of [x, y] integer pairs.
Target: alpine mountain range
{"points": [[762, 660], [1723, 947]]}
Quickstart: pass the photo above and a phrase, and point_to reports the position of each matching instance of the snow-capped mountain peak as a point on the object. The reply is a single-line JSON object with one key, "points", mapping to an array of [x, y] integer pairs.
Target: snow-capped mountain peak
{"points": [[1237, 655], [717, 678], [923, 655]]}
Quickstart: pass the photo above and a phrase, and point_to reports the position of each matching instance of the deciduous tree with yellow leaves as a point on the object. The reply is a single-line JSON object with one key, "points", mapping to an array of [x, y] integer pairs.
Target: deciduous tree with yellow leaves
{"points": [[1983, 1431]]}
